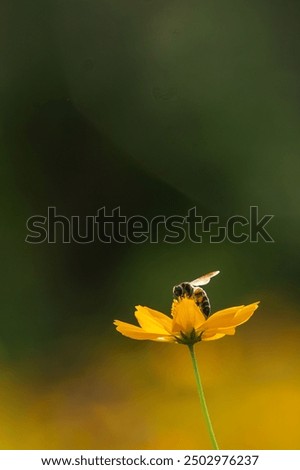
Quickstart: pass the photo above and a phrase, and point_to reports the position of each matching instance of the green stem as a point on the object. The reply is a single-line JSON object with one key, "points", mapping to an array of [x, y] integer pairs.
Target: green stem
{"points": [[202, 399]]}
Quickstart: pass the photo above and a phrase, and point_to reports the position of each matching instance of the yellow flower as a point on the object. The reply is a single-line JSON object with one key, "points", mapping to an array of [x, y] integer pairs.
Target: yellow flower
{"points": [[187, 325]]}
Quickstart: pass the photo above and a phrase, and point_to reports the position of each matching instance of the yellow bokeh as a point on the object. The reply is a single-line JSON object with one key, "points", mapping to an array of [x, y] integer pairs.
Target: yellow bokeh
{"points": [[142, 395]]}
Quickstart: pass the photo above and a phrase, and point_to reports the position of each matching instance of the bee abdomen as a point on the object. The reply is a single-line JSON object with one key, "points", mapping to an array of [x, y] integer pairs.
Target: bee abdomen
{"points": [[205, 306]]}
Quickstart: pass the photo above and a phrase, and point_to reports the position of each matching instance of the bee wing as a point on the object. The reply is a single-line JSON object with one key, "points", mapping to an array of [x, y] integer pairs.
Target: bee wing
{"points": [[203, 280]]}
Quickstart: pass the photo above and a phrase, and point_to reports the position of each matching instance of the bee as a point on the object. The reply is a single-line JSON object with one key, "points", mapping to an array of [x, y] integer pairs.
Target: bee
{"points": [[193, 290]]}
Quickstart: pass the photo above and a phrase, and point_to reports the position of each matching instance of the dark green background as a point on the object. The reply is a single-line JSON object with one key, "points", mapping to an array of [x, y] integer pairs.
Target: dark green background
{"points": [[155, 107]]}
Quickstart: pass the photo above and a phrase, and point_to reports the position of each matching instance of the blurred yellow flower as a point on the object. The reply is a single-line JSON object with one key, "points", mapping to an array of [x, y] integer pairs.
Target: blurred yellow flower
{"points": [[187, 325]]}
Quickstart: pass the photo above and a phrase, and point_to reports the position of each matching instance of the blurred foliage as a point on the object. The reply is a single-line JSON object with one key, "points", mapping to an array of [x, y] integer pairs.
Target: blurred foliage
{"points": [[155, 108]]}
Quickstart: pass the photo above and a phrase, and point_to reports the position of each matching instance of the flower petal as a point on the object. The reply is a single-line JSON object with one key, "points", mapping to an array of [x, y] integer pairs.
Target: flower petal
{"points": [[216, 334], [245, 313], [153, 321], [135, 332], [233, 316], [186, 316], [222, 318], [213, 337]]}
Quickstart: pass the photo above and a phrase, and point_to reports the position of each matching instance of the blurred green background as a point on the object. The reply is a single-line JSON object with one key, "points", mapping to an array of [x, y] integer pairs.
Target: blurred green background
{"points": [[155, 107]]}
